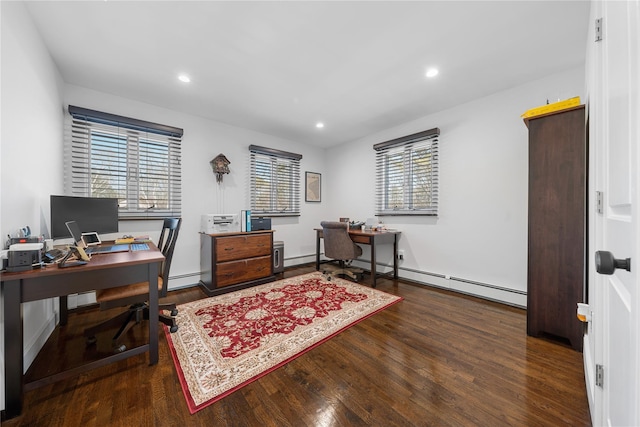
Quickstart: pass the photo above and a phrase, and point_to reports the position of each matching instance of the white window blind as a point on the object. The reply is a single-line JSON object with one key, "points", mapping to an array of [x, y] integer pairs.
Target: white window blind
{"points": [[136, 161], [275, 182], [407, 175]]}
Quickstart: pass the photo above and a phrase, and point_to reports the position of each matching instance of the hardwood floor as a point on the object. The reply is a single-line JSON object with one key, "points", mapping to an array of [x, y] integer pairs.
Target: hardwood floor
{"points": [[436, 358]]}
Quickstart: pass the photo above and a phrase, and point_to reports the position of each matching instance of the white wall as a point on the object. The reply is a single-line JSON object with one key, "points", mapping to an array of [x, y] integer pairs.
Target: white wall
{"points": [[34, 103], [31, 158], [480, 234], [202, 141]]}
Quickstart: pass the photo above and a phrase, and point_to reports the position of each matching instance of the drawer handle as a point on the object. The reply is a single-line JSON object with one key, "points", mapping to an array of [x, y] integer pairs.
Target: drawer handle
{"points": [[229, 249], [261, 245]]}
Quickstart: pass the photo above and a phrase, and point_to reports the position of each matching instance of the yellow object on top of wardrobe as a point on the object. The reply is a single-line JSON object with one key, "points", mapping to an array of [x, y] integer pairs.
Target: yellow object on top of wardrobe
{"points": [[550, 108]]}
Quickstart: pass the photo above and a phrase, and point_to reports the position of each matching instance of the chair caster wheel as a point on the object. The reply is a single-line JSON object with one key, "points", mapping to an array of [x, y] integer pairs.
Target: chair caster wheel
{"points": [[173, 329], [119, 348], [174, 313], [91, 340]]}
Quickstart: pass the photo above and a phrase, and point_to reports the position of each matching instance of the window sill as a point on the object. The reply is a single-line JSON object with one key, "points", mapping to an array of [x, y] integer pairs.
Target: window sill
{"points": [[405, 213]]}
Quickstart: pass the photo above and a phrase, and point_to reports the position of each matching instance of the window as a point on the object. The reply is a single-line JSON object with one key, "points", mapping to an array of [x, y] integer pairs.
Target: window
{"points": [[275, 182], [407, 175], [138, 162]]}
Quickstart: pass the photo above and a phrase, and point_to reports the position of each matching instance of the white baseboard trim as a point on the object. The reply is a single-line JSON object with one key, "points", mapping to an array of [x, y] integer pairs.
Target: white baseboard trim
{"points": [[486, 291], [33, 347], [299, 260], [184, 281], [193, 279], [589, 374], [481, 290]]}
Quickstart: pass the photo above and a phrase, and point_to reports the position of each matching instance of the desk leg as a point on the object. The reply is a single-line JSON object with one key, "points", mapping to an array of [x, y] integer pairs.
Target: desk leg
{"points": [[373, 262], [13, 345], [153, 314], [64, 311], [395, 256], [317, 251]]}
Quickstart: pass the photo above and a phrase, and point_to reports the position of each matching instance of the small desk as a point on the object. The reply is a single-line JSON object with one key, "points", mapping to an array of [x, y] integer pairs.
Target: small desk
{"points": [[103, 271], [372, 238]]}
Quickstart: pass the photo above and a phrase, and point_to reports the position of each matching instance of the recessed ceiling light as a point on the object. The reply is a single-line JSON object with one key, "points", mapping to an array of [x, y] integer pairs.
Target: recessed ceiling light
{"points": [[184, 78], [319, 125], [432, 72]]}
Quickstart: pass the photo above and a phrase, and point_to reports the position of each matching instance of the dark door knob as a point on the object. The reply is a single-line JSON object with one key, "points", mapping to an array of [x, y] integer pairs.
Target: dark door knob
{"points": [[606, 263]]}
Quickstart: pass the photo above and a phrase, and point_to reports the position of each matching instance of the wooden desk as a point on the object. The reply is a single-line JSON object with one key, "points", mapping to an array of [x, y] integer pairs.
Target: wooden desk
{"points": [[103, 271], [371, 238]]}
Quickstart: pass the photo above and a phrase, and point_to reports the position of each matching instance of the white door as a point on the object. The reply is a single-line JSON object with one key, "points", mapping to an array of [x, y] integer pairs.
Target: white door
{"points": [[613, 338]]}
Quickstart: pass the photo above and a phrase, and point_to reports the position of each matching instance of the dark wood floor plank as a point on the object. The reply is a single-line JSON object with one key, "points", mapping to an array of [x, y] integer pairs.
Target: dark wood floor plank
{"points": [[436, 358]]}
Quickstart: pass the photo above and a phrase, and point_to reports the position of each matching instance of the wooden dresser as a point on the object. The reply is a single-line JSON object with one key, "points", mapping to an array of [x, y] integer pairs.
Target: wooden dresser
{"points": [[557, 224], [232, 261]]}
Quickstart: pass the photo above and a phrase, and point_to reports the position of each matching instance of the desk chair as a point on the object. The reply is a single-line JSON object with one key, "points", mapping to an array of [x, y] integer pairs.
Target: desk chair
{"points": [[137, 294], [339, 246]]}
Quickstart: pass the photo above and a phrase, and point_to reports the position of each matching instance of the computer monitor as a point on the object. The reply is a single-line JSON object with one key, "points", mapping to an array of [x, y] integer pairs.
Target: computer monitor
{"points": [[99, 214]]}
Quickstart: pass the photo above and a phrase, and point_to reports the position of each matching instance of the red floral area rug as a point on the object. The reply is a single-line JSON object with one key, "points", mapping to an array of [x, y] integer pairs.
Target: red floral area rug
{"points": [[227, 341]]}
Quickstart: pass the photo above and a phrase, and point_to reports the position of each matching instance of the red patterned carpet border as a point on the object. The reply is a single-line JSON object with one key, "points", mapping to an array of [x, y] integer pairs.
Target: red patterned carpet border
{"points": [[227, 341]]}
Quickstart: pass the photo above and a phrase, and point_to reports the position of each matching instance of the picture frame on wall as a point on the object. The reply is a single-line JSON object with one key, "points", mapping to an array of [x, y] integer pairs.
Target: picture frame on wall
{"points": [[313, 187]]}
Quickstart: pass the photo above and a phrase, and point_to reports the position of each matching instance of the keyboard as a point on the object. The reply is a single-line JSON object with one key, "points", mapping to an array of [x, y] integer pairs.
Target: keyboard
{"points": [[139, 247], [106, 249]]}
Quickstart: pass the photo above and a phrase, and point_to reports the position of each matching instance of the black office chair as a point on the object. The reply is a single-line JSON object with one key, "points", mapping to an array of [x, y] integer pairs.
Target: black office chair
{"points": [[137, 294], [339, 246]]}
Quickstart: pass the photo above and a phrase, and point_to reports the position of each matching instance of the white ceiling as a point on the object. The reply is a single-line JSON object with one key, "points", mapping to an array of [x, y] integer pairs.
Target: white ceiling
{"points": [[279, 67]]}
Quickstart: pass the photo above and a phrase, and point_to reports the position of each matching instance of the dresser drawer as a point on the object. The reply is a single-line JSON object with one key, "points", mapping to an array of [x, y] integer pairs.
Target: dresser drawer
{"points": [[241, 247], [232, 272]]}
